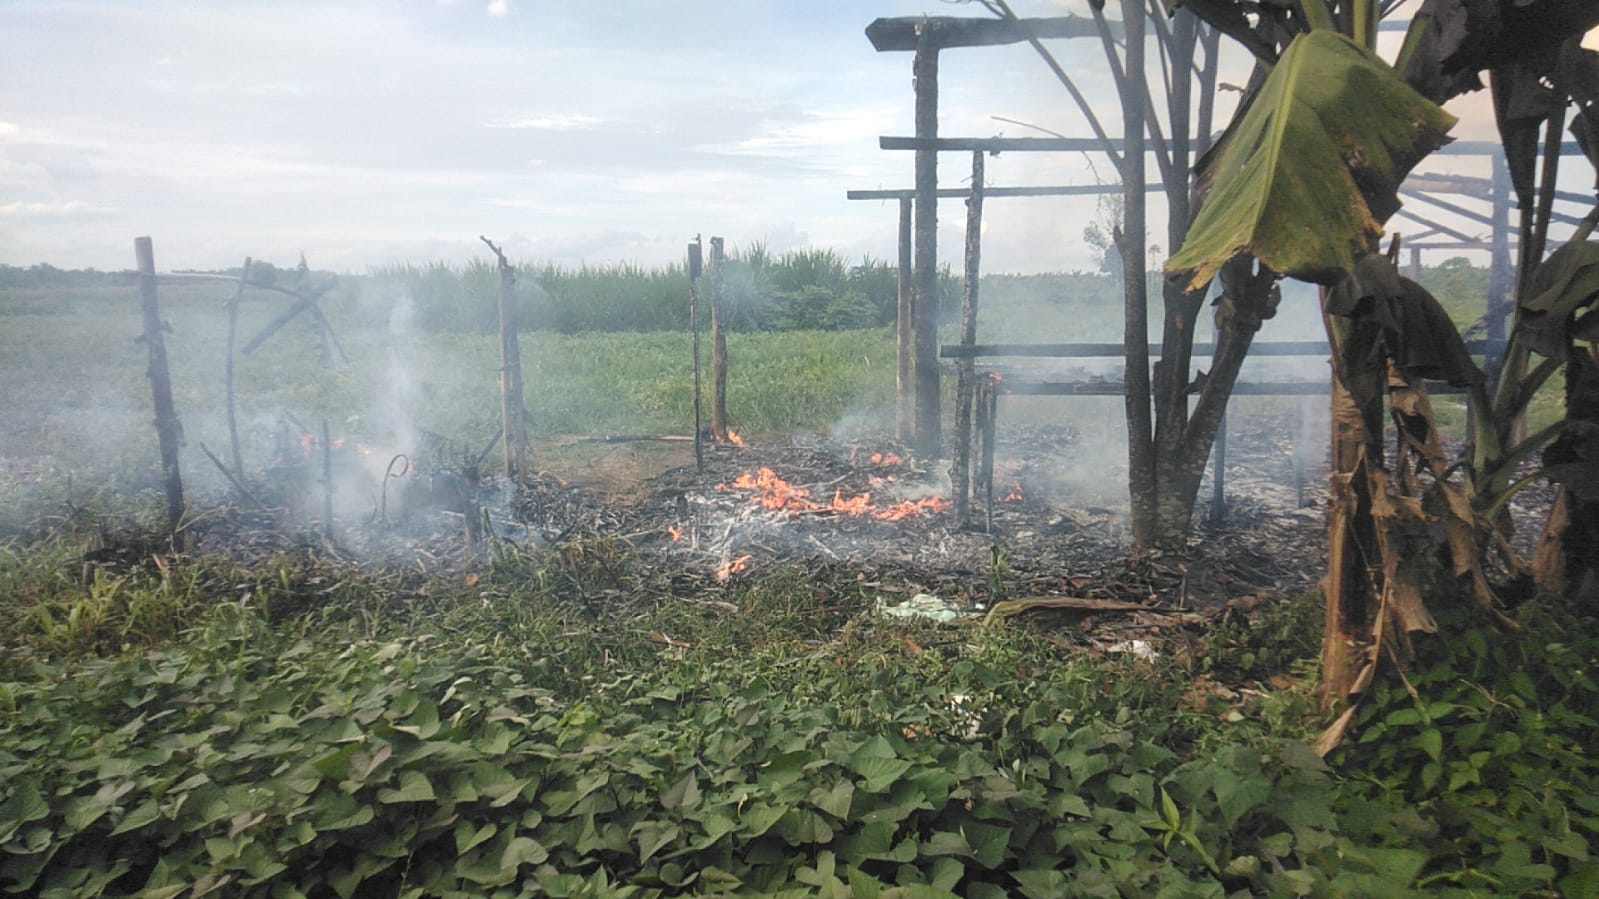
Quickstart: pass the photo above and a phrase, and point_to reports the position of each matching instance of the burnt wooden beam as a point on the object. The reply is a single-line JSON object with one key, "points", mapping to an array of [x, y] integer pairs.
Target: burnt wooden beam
{"points": [[924, 308], [996, 144], [1114, 350], [902, 33], [169, 431], [1451, 184], [718, 343], [513, 413], [904, 312], [954, 193], [966, 384]]}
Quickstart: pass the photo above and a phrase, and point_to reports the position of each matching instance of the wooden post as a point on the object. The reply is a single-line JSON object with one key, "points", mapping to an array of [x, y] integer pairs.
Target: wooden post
{"points": [[960, 470], [987, 412], [718, 345], [513, 421], [227, 377], [904, 333], [925, 310], [694, 264], [327, 481], [167, 426]]}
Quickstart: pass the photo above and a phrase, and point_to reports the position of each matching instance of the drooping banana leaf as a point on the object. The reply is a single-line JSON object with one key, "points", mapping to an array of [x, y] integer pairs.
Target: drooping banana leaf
{"points": [[1564, 286], [1416, 331], [1305, 177]]}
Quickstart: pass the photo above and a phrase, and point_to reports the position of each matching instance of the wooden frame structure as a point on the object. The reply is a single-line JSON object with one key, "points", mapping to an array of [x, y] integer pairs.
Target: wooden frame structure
{"points": [[917, 404]]}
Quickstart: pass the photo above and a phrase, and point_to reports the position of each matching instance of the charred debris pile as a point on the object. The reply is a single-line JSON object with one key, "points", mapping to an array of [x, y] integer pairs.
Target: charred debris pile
{"points": [[864, 516]]}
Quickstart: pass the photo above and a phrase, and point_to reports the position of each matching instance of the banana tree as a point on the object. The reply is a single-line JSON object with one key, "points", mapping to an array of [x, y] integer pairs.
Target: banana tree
{"points": [[1302, 182]]}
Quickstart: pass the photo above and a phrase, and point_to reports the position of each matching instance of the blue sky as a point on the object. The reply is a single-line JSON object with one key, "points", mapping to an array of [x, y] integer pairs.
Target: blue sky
{"points": [[364, 133]]}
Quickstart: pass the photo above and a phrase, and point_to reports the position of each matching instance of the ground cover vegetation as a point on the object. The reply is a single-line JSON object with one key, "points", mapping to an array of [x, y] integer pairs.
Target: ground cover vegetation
{"points": [[560, 722], [190, 727]]}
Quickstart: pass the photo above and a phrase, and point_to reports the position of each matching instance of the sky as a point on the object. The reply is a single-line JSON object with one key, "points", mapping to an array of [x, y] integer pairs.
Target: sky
{"points": [[370, 133]]}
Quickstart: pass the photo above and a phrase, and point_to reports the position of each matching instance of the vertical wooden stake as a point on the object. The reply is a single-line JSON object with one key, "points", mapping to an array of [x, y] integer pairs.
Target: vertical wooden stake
{"points": [[960, 470], [929, 436], [718, 345], [167, 426], [513, 422], [694, 264], [227, 372], [327, 481], [904, 333]]}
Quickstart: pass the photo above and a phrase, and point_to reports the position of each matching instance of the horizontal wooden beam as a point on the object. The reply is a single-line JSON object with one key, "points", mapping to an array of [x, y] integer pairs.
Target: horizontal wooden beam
{"points": [[1096, 350], [999, 144], [989, 193], [1242, 388], [943, 32], [1110, 350], [1092, 145]]}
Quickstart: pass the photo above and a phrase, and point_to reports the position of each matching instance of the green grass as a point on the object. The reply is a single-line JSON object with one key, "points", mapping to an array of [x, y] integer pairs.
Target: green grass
{"points": [[76, 388]]}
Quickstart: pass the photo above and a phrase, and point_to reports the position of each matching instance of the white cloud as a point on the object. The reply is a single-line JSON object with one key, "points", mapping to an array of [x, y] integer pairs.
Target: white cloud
{"points": [[498, 8], [549, 123]]}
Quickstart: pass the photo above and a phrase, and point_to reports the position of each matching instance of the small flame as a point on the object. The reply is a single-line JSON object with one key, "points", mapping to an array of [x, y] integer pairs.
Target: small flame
{"points": [[1015, 493], [675, 533], [733, 438], [886, 459], [859, 505], [728, 569], [911, 508]]}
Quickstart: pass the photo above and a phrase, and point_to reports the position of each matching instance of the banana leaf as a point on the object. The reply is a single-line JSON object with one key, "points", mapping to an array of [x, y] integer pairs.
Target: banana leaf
{"points": [[1305, 177]]}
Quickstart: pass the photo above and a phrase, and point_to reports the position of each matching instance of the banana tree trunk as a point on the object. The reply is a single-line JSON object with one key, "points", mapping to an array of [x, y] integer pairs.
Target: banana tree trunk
{"points": [[1348, 587]]}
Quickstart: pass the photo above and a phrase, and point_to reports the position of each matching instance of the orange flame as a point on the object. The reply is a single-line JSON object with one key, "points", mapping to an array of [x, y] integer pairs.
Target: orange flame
{"points": [[1015, 493], [728, 569], [886, 459], [675, 533], [774, 493]]}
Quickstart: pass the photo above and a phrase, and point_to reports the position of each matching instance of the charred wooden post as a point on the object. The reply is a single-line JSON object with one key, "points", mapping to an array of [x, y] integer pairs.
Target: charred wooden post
{"points": [[327, 481], [926, 36], [718, 345], [694, 264], [237, 475], [904, 331], [960, 470], [168, 429], [925, 304], [513, 421], [987, 412]]}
